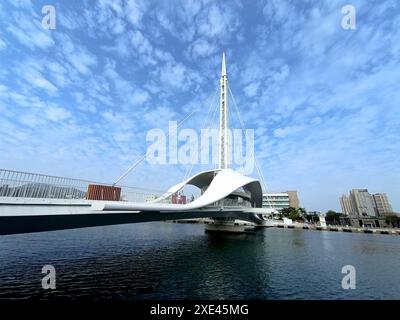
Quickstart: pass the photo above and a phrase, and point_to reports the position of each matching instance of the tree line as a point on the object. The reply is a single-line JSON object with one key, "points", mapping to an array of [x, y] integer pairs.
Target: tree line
{"points": [[331, 217]]}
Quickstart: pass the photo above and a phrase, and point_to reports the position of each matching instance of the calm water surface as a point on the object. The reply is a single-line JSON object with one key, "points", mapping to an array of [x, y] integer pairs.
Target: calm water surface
{"points": [[180, 261]]}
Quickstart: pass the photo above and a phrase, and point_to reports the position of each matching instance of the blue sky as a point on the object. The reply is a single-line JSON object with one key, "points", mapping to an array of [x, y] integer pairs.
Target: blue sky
{"points": [[324, 102]]}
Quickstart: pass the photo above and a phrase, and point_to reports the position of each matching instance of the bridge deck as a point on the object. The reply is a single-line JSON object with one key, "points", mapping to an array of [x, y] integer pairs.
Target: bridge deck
{"points": [[22, 215]]}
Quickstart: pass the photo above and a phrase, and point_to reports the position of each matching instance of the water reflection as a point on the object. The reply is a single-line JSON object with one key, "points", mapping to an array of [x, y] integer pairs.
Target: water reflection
{"points": [[177, 261]]}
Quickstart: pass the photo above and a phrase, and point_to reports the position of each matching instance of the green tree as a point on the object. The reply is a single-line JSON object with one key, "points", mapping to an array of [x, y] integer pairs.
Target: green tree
{"points": [[393, 220], [332, 217], [302, 211], [292, 213]]}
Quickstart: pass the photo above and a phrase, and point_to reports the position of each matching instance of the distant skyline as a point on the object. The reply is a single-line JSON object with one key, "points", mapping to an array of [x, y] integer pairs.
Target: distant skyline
{"points": [[324, 102]]}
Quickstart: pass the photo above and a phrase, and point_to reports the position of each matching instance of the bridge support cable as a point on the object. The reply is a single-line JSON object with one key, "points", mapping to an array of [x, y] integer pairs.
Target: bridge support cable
{"points": [[242, 124], [143, 157], [206, 124], [216, 109], [140, 160]]}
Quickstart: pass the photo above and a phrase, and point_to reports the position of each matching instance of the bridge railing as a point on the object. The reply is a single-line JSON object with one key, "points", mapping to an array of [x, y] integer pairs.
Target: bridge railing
{"points": [[33, 185]]}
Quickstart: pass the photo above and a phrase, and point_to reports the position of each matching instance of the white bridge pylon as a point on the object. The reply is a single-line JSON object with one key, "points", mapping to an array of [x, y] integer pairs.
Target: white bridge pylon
{"points": [[223, 122]]}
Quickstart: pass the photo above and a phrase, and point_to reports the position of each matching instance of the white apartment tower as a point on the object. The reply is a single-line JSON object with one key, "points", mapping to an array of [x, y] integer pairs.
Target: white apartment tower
{"points": [[363, 202], [347, 206], [382, 204]]}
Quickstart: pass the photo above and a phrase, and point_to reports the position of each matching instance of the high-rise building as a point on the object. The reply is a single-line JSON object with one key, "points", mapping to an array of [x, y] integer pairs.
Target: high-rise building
{"points": [[382, 204], [281, 200], [293, 199], [347, 206], [363, 202], [276, 201]]}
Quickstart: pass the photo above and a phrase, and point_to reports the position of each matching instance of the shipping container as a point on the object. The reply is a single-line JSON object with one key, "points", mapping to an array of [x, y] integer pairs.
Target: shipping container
{"points": [[101, 192]]}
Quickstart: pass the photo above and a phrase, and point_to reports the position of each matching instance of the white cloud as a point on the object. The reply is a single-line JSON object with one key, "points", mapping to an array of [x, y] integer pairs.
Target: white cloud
{"points": [[140, 43], [139, 97], [252, 89], [107, 18], [216, 21], [77, 55], [71, 20], [118, 26], [115, 120], [277, 10], [174, 74], [134, 12], [136, 44], [26, 4], [82, 60], [56, 114], [58, 73], [84, 104], [3, 45], [284, 132], [203, 48], [30, 120], [124, 89], [165, 21], [36, 79], [28, 30], [158, 117], [191, 8], [282, 73]]}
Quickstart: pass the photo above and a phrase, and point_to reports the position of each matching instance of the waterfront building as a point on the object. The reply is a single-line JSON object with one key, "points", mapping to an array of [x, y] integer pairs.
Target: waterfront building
{"points": [[360, 203], [347, 205], [368, 222], [293, 199], [363, 202], [276, 201], [281, 200], [382, 204]]}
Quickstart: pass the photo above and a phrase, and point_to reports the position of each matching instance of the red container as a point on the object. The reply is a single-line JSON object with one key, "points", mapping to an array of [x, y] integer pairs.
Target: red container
{"points": [[100, 192]]}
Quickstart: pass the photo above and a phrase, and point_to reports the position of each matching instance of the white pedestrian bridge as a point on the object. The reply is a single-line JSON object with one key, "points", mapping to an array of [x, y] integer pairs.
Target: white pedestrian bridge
{"points": [[33, 203]]}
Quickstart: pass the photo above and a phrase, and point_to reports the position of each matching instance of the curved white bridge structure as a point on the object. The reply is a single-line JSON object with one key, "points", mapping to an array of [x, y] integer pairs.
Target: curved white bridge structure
{"points": [[225, 194], [219, 184]]}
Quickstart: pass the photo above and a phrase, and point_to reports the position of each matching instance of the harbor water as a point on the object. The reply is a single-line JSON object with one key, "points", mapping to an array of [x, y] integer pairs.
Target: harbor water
{"points": [[180, 261]]}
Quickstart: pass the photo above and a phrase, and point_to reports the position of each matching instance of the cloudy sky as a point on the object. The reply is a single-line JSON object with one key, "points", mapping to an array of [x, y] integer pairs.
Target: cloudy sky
{"points": [[324, 102]]}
